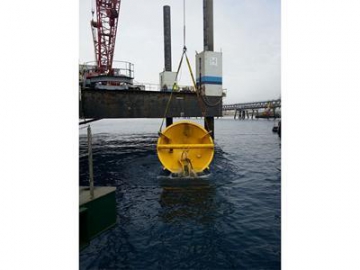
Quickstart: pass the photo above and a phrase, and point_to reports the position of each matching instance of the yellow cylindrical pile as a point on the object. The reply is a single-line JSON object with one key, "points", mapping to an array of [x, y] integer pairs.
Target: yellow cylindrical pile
{"points": [[185, 148]]}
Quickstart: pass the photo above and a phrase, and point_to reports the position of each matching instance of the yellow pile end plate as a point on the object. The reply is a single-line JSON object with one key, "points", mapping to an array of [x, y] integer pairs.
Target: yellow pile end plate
{"points": [[185, 140]]}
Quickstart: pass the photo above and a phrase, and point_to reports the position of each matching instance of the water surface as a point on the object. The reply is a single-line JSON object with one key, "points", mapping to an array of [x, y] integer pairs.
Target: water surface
{"points": [[229, 219]]}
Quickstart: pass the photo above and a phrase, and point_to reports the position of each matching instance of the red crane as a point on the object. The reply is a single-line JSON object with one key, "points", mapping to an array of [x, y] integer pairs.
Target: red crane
{"points": [[104, 33]]}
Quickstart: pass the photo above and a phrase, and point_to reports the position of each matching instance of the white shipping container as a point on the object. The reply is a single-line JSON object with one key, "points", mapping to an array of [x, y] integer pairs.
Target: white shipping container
{"points": [[209, 72]]}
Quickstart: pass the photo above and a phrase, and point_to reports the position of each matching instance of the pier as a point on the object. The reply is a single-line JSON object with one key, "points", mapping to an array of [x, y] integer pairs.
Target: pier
{"points": [[251, 109]]}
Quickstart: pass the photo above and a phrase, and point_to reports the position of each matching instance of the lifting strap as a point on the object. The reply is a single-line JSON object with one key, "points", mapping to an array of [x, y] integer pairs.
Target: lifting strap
{"points": [[172, 90], [197, 90]]}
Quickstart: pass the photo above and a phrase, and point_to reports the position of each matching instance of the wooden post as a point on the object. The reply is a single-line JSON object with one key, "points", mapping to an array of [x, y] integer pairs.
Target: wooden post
{"points": [[91, 172], [235, 114]]}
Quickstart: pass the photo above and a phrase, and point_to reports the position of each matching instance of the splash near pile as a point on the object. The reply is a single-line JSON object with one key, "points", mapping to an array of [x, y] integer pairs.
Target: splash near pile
{"points": [[185, 148]]}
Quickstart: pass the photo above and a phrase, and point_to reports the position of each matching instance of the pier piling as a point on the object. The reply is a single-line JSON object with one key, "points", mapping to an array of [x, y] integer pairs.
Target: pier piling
{"points": [[209, 126], [167, 38], [208, 25]]}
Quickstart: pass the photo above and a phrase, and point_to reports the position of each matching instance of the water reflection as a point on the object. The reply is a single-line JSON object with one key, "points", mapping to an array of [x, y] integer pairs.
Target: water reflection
{"points": [[185, 199]]}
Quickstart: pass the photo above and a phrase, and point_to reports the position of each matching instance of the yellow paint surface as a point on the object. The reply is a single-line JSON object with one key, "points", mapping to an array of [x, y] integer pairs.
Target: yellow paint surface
{"points": [[185, 143]]}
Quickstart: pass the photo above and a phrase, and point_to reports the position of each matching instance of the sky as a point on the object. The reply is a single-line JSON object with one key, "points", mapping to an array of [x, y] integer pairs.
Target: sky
{"points": [[247, 32]]}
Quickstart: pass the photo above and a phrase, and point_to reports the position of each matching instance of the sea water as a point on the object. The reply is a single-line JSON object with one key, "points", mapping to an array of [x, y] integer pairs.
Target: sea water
{"points": [[227, 219]]}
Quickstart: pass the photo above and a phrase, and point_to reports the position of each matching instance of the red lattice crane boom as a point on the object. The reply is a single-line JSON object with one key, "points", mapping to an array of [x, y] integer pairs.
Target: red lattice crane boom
{"points": [[104, 33]]}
